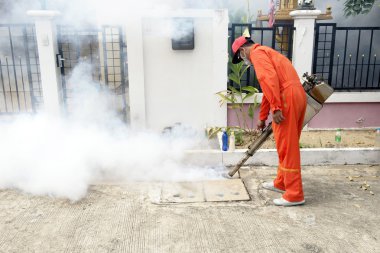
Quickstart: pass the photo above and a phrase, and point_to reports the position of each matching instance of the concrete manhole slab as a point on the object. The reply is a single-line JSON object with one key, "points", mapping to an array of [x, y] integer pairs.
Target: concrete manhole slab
{"points": [[225, 190], [182, 192], [204, 191]]}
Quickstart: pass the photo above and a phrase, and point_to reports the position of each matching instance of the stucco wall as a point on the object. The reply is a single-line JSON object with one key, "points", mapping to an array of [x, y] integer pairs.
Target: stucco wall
{"points": [[347, 115], [336, 115]]}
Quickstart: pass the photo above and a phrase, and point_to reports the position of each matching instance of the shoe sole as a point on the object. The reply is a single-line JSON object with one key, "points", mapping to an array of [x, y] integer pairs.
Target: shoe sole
{"points": [[291, 204], [274, 189]]}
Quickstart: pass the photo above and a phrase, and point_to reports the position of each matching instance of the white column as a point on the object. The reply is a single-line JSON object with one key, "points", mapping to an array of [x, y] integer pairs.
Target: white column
{"points": [[220, 61], [303, 40], [47, 51], [135, 55]]}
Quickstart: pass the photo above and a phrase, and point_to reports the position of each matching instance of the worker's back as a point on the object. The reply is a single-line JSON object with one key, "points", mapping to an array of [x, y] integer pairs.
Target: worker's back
{"points": [[283, 66]]}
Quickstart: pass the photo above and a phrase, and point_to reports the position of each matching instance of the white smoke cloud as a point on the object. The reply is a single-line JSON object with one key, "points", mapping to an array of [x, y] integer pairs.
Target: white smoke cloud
{"points": [[62, 156]]}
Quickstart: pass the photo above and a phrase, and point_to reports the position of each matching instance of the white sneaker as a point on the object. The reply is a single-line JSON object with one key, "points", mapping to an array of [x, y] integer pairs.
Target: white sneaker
{"points": [[284, 202], [270, 186]]}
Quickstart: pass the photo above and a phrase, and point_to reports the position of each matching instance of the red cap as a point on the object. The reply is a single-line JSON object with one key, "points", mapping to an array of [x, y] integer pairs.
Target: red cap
{"points": [[236, 46]]}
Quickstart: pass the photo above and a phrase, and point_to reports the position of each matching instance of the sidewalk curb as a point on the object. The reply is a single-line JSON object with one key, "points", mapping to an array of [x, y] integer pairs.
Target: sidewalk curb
{"points": [[268, 157]]}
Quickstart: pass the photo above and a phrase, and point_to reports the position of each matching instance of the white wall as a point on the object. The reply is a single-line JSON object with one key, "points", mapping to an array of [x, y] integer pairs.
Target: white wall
{"points": [[179, 86]]}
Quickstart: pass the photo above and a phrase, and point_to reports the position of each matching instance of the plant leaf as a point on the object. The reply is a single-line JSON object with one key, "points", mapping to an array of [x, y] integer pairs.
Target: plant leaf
{"points": [[251, 112], [250, 89], [235, 106], [225, 97], [234, 78], [233, 89], [234, 68], [244, 70], [255, 101], [248, 95]]}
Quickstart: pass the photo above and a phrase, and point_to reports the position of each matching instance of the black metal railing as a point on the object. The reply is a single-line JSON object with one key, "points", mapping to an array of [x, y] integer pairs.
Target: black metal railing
{"points": [[20, 81], [279, 37], [103, 48], [346, 57]]}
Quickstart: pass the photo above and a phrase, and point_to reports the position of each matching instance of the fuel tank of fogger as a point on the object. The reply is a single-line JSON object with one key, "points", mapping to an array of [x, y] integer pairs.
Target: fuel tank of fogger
{"points": [[316, 97]]}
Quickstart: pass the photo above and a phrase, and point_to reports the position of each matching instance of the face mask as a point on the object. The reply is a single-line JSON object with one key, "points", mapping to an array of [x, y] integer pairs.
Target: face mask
{"points": [[246, 61]]}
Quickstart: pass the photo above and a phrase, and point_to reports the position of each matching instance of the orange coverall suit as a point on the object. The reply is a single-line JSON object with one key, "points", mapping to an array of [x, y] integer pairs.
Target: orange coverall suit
{"points": [[283, 91]]}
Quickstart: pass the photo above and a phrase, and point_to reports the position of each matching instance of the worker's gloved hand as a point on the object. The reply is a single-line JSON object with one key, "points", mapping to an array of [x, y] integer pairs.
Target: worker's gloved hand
{"points": [[278, 117], [260, 125]]}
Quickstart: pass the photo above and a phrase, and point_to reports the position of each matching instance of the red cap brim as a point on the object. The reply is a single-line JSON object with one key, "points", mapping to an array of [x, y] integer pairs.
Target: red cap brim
{"points": [[236, 45], [236, 58]]}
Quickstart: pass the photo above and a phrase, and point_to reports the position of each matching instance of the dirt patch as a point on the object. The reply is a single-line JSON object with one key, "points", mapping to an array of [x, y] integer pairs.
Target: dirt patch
{"points": [[326, 139]]}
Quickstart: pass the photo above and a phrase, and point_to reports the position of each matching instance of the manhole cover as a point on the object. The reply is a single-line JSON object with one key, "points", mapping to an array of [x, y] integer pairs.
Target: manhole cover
{"points": [[204, 191]]}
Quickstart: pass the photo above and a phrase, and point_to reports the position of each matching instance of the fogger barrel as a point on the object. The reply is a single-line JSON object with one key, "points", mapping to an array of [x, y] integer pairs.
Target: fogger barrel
{"points": [[316, 92]]}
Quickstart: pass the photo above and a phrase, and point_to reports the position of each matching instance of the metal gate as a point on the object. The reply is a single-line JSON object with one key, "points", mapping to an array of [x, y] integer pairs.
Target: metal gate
{"points": [[20, 83], [104, 49], [346, 57]]}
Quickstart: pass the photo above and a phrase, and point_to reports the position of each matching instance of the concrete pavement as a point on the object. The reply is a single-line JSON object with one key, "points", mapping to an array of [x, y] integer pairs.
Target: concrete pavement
{"points": [[338, 216]]}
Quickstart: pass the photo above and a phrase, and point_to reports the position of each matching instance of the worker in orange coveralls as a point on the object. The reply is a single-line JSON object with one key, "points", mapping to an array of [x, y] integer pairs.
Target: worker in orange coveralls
{"points": [[285, 97]]}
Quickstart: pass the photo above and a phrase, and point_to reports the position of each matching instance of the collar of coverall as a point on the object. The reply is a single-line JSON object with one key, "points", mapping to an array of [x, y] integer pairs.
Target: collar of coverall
{"points": [[253, 47]]}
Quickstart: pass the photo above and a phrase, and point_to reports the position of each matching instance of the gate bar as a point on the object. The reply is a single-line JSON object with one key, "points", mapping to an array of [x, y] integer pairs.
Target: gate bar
{"points": [[344, 57], [29, 69], [2, 82], [369, 59], [357, 57], [14, 67], [332, 51]]}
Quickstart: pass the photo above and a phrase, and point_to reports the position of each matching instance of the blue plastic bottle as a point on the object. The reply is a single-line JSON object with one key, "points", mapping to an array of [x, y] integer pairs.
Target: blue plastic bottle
{"points": [[225, 141]]}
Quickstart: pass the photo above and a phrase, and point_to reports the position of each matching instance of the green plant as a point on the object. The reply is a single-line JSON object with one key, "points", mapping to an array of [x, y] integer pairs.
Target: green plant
{"points": [[238, 137], [303, 145], [237, 97], [211, 132], [356, 7]]}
